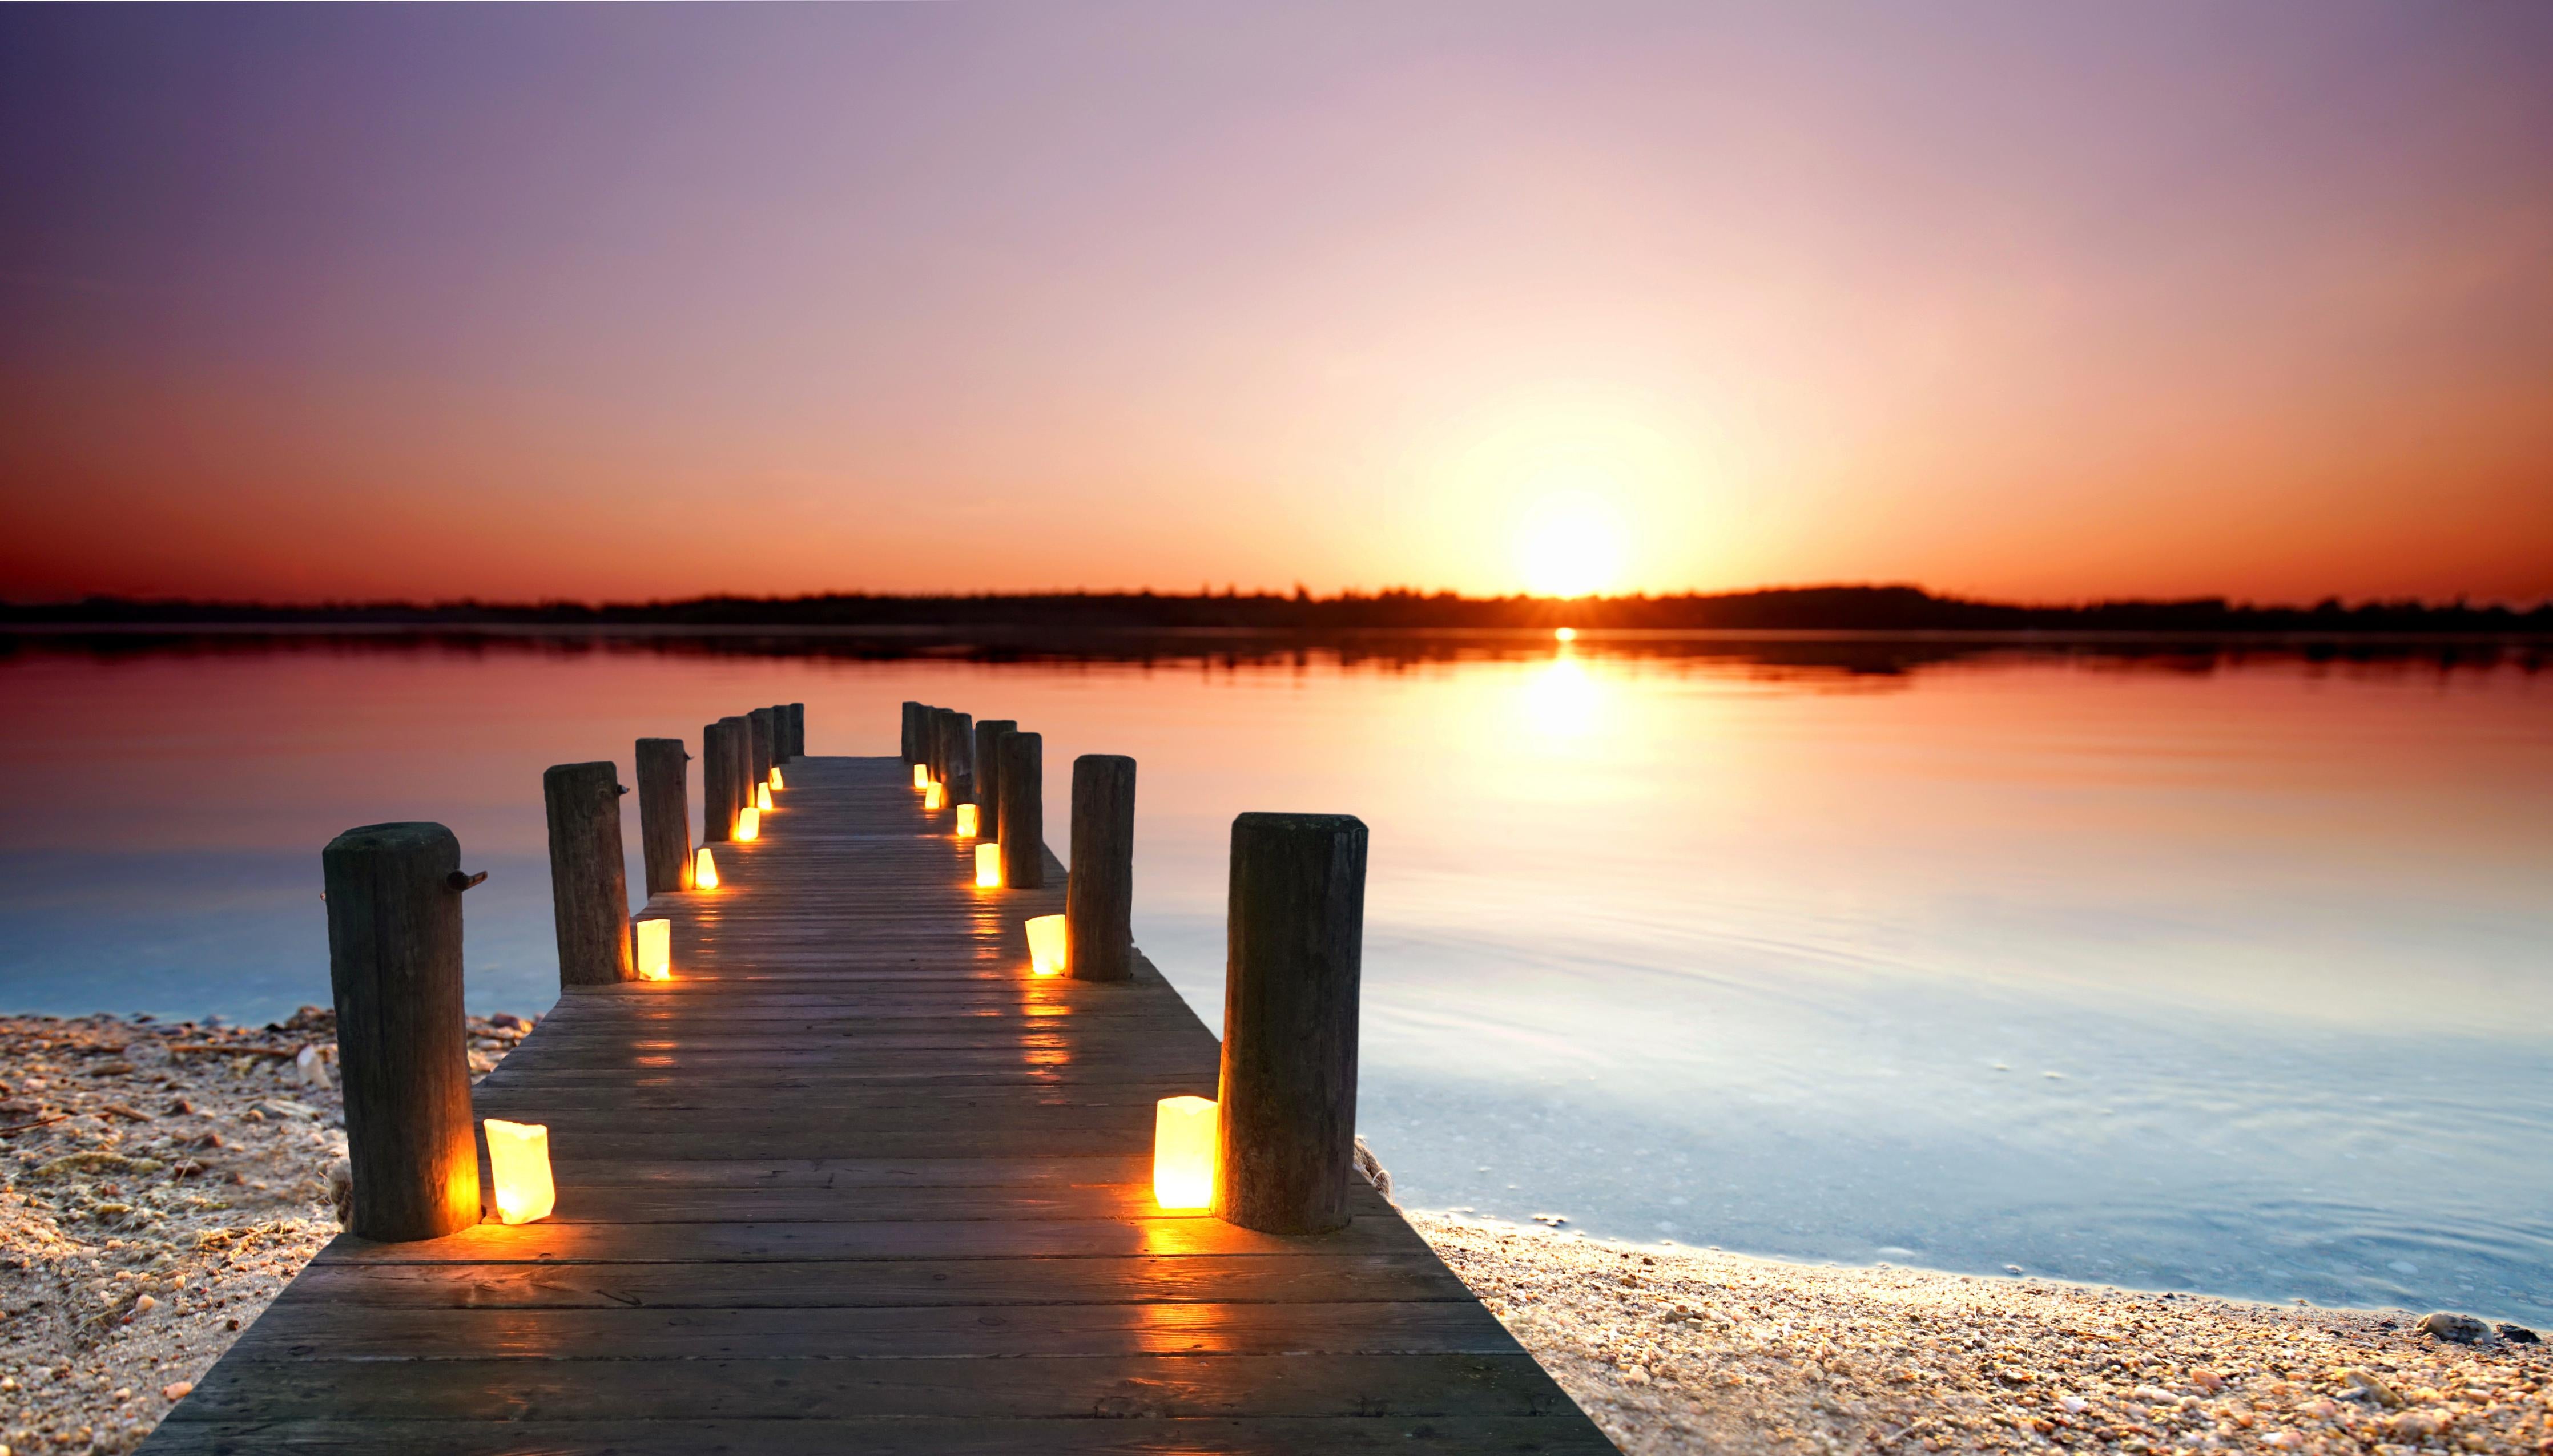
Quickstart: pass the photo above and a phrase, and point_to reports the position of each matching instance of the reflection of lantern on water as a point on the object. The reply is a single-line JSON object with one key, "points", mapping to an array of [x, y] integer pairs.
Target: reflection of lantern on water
{"points": [[775, 778], [1045, 945], [968, 817], [1183, 1135], [518, 1154], [988, 866], [748, 824], [656, 950], [922, 775], [762, 797], [933, 796], [704, 870]]}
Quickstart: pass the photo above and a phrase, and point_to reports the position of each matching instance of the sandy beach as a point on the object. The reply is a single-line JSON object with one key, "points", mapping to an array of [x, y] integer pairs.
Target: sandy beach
{"points": [[164, 1180], [1703, 1351]]}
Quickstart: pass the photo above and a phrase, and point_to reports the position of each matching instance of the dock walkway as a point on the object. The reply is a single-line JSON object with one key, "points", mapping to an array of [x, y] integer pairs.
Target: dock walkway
{"points": [[856, 1182]]}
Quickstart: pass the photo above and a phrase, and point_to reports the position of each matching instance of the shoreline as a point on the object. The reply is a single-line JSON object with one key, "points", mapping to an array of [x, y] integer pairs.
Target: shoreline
{"points": [[1681, 1349], [164, 1180]]}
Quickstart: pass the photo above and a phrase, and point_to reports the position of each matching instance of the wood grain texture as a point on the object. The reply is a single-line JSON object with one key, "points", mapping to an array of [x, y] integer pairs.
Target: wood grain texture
{"points": [[1099, 903], [988, 774], [665, 813], [394, 965], [1293, 943], [589, 879], [855, 1181], [764, 726], [1022, 776]]}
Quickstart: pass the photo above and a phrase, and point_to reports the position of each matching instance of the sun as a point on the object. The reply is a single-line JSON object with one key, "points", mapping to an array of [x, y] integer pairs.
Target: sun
{"points": [[1571, 545]]}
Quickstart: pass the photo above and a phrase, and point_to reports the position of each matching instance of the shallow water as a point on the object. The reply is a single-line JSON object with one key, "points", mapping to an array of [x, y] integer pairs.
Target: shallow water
{"points": [[2196, 972]]}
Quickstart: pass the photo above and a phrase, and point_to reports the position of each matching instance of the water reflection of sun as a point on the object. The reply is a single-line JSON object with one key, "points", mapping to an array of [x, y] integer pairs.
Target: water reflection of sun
{"points": [[1561, 699]]}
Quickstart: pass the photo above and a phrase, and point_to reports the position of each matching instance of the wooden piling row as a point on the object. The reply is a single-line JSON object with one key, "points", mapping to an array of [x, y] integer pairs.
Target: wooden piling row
{"points": [[1294, 930]]}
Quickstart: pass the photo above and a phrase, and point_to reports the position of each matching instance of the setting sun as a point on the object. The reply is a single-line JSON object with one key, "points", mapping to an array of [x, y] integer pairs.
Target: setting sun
{"points": [[1571, 546]]}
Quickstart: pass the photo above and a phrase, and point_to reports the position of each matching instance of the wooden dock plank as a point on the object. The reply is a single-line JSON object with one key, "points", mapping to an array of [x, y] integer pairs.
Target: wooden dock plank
{"points": [[857, 1180]]}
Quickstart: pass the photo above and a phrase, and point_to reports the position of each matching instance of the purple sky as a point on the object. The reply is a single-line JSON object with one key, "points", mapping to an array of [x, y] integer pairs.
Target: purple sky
{"points": [[2042, 302]]}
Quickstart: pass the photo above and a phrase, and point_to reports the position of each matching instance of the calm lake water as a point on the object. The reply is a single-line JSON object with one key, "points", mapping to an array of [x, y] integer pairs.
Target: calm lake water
{"points": [[2188, 971]]}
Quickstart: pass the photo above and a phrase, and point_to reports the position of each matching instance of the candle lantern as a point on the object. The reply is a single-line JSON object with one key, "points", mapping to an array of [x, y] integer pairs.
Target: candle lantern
{"points": [[704, 870], [656, 950], [933, 796], [748, 824], [775, 778], [1183, 1140], [988, 866], [967, 820], [922, 775], [763, 797], [1045, 945], [518, 1153]]}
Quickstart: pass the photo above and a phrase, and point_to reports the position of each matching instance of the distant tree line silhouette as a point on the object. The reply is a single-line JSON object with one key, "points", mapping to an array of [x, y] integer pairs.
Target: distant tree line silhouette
{"points": [[1789, 609]]}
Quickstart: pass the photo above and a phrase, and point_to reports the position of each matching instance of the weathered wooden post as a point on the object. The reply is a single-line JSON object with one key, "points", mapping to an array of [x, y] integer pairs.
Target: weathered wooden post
{"points": [[1293, 940], [766, 739], [1023, 777], [665, 814], [740, 769], [717, 816], [988, 776], [393, 894], [1099, 894], [589, 887], [797, 731], [932, 738], [957, 755], [911, 732]]}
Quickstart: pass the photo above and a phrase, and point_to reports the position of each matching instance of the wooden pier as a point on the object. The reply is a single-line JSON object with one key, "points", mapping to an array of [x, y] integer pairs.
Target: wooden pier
{"points": [[855, 1181]]}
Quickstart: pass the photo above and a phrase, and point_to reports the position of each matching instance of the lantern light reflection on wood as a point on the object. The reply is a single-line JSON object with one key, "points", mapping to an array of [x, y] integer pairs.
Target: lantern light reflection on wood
{"points": [[518, 1154], [763, 797], [748, 824], [967, 820], [988, 866], [704, 870], [1184, 1143], [922, 775], [1045, 945], [655, 949], [933, 796]]}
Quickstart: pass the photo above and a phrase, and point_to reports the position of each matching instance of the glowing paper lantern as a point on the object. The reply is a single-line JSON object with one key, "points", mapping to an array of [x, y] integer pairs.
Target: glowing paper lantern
{"points": [[968, 819], [988, 864], [704, 870], [656, 950], [1045, 945], [518, 1153], [1183, 1152], [775, 778], [749, 823], [933, 796], [922, 775], [763, 797]]}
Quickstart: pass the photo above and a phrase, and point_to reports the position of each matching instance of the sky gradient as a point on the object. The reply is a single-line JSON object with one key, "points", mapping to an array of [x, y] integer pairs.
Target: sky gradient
{"points": [[2039, 303]]}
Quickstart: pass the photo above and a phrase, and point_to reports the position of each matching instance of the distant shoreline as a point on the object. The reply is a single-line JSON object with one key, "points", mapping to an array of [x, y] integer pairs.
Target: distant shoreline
{"points": [[1875, 612]]}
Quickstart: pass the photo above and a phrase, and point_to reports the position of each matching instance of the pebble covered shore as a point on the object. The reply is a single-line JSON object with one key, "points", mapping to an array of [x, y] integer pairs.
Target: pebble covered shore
{"points": [[1682, 1350], [159, 1183]]}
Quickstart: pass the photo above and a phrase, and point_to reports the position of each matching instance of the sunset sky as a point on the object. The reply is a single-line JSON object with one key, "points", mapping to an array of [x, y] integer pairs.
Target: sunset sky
{"points": [[2031, 301]]}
